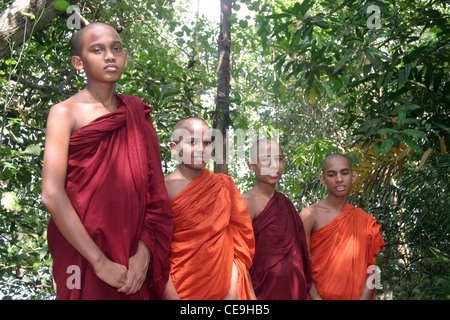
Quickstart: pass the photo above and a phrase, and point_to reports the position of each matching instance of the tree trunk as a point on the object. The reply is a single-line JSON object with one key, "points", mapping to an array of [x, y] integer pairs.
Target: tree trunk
{"points": [[222, 118], [16, 28]]}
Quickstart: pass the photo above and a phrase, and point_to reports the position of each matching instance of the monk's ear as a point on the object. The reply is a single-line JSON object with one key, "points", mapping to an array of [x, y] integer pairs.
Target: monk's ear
{"points": [[354, 176], [77, 63], [173, 147], [251, 166], [322, 179], [176, 151]]}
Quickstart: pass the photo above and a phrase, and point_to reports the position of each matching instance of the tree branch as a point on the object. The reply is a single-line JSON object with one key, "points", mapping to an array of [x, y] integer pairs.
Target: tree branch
{"points": [[14, 30], [33, 85]]}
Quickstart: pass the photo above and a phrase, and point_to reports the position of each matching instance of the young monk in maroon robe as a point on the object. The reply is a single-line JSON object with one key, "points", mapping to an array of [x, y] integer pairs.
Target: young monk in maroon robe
{"points": [[213, 242], [111, 221], [281, 269], [343, 240]]}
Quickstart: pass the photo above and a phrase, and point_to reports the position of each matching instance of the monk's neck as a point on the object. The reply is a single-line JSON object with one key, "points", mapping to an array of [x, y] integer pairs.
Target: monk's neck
{"points": [[265, 189], [337, 203], [188, 173], [103, 93]]}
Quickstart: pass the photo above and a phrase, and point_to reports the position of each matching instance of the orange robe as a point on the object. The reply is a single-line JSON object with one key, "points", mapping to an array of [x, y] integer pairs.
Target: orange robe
{"points": [[212, 229], [341, 252]]}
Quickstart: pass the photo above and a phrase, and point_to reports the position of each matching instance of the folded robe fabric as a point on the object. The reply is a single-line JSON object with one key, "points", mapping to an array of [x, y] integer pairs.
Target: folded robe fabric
{"points": [[341, 252], [116, 185], [281, 268], [212, 229]]}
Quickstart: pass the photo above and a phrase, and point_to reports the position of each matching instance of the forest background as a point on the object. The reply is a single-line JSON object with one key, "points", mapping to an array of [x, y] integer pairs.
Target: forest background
{"points": [[367, 78]]}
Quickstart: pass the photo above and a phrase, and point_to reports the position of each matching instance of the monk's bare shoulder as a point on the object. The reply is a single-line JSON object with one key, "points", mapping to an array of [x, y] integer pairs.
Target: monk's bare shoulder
{"points": [[63, 115], [311, 215], [72, 112], [175, 183], [256, 203], [309, 212]]}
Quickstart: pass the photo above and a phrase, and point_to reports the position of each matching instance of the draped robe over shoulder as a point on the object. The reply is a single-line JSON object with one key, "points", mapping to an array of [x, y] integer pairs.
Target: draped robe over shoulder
{"points": [[116, 185], [281, 268], [341, 252], [212, 229]]}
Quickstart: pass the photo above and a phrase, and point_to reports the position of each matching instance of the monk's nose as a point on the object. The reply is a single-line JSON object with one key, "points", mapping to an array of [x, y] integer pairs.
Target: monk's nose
{"points": [[109, 56]]}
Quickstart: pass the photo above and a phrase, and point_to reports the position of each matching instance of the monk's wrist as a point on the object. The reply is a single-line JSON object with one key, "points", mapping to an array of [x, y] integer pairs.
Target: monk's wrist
{"points": [[143, 251]]}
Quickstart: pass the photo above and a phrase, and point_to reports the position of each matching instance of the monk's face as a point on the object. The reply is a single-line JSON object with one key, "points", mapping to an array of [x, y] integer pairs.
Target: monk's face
{"points": [[194, 147], [338, 176], [269, 166], [101, 54]]}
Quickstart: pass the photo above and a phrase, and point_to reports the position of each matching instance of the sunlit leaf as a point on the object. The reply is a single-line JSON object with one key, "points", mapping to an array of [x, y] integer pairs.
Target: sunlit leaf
{"points": [[425, 157]]}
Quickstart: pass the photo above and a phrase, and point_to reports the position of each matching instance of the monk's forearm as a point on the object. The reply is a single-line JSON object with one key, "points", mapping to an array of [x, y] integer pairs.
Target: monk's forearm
{"points": [[69, 224], [253, 295], [313, 293], [143, 251], [366, 293], [170, 293]]}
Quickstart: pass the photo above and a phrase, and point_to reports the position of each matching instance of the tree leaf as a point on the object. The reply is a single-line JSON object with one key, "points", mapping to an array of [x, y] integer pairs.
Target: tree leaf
{"points": [[33, 149], [312, 95], [387, 130], [342, 62], [386, 145], [401, 117], [61, 5], [415, 133], [425, 157]]}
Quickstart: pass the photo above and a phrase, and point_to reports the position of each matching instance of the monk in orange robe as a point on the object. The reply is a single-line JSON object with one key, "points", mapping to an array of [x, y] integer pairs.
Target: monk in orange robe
{"points": [[343, 240], [213, 242]]}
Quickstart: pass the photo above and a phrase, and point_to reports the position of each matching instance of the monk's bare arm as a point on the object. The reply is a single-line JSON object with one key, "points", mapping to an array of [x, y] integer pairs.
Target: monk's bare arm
{"points": [[308, 216], [170, 293], [233, 288], [366, 293], [313, 293], [252, 291], [59, 129], [250, 206]]}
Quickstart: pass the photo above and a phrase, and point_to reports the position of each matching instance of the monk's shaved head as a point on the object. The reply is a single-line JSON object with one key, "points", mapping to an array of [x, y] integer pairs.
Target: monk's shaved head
{"points": [[77, 39], [186, 124], [333, 156]]}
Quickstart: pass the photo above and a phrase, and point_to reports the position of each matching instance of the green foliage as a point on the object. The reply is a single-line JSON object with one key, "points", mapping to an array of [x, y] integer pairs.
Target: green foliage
{"points": [[38, 75], [314, 71], [393, 77], [379, 85]]}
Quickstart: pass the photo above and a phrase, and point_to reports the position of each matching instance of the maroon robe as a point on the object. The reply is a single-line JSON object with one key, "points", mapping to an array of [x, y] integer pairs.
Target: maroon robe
{"points": [[281, 268], [116, 185]]}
